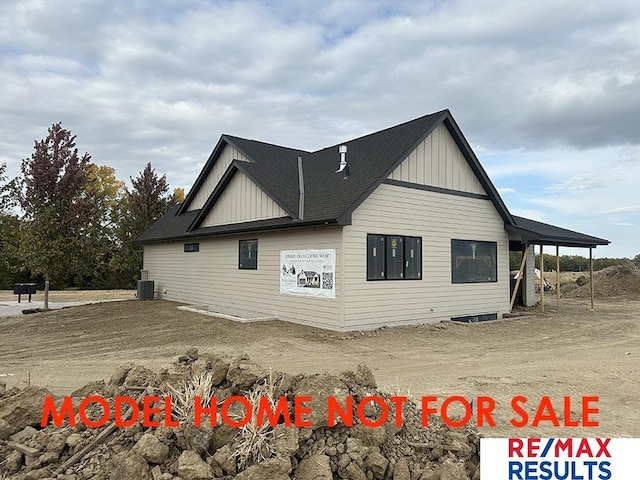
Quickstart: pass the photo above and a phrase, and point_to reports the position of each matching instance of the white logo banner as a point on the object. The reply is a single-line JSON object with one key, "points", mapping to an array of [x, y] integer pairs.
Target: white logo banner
{"points": [[308, 272]]}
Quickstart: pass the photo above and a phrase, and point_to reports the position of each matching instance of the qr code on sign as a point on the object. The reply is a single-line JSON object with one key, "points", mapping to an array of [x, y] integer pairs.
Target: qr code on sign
{"points": [[327, 281]]}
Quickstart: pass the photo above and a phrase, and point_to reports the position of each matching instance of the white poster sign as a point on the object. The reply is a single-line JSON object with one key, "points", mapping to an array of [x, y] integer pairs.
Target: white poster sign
{"points": [[308, 272]]}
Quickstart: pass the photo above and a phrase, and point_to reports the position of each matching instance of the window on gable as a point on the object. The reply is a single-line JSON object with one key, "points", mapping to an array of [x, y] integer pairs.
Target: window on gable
{"points": [[394, 257], [191, 247], [473, 261], [248, 255]]}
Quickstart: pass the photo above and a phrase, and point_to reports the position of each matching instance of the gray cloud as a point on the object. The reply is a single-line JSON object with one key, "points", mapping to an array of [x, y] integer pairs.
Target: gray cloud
{"points": [[148, 81]]}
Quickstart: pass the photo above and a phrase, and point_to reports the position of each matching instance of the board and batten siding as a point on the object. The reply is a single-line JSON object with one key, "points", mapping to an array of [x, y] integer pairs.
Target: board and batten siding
{"points": [[242, 201], [211, 276], [228, 155], [437, 161], [437, 218]]}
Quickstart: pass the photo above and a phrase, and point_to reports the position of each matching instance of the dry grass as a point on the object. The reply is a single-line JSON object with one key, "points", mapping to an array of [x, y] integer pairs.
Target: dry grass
{"points": [[256, 442], [183, 397]]}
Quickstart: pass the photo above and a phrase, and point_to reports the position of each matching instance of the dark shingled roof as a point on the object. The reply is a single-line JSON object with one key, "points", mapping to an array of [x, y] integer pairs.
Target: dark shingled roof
{"points": [[329, 197], [535, 232]]}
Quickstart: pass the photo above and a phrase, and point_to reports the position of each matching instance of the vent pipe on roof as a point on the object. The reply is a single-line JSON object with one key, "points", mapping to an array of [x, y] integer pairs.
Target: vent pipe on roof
{"points": [[301, 182], [343, 161]]}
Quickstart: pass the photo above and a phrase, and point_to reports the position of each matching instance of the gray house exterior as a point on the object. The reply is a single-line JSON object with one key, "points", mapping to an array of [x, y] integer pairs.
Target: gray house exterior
{"points": [[420, 233]]}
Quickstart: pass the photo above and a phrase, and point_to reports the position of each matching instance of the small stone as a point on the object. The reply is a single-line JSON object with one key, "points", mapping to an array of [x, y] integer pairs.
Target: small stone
{"points": [[224, 458], [401, 470], [74, 440], [151, 449], [355, 472], [285, 440], [452, 470], [13, 463], [5, 429], [56, 444], [192, 467], [49, 457], [272, 469], [25, 408], [129, 466], [243, 372], [118, 377], [315, 467], [377, 463]]}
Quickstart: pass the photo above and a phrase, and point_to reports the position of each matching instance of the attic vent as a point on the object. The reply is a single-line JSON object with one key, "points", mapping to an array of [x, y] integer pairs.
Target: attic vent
{"points": [[343, 168]]}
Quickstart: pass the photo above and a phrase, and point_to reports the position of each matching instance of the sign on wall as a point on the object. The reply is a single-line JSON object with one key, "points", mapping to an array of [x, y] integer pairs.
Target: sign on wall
{"points": [[308, 272]]}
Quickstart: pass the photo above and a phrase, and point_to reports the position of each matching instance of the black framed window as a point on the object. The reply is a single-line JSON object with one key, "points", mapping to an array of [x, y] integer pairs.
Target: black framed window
{"points": [[191, 247], [412, 258], [394, 257], [473, 261], [248, 255]]}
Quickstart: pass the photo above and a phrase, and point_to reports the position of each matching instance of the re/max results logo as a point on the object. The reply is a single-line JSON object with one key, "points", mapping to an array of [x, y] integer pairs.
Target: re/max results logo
{"points": [[555, 458], [559, 458]]}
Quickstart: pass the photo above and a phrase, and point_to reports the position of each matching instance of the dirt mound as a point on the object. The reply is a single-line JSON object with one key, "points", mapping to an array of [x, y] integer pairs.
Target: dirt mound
{"points": [[276, 449], [618, 281]]}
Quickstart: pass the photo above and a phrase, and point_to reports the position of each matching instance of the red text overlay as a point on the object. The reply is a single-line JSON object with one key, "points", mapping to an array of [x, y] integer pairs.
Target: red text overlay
{"points": [[455, 411]]}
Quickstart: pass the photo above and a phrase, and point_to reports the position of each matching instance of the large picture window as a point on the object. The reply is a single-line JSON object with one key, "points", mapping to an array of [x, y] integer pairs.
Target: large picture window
{"points": [[394, 257], [473, 261], [248, 255]]}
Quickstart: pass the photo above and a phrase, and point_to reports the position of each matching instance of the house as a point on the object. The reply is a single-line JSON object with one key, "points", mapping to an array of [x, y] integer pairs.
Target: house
{"points": [[401, 226], [308, 279]]}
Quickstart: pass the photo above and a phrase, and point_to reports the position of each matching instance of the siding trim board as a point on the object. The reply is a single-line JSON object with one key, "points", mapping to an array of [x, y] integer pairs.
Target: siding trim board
{"points": [[429, 188]]}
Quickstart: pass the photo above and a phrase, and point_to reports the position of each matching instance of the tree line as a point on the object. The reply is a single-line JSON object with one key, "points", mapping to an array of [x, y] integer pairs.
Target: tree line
{"points": [[72, 221], [569, 263]]}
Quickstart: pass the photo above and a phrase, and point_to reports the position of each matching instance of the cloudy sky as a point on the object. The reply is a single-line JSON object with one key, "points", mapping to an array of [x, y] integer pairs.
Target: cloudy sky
{"points": [[546, 92]]}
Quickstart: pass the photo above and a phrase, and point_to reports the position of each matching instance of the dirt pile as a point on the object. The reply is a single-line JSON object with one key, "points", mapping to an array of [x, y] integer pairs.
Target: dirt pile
{"points": [[409, 451], [617, 281]]}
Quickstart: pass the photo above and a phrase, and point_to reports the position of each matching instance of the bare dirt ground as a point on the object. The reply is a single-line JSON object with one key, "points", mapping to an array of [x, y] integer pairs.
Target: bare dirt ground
{"points": [[573, 353]]}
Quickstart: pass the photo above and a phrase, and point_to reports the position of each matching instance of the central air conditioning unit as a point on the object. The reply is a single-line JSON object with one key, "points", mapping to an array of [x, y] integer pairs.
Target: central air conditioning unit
{"points": [[145, 289]]}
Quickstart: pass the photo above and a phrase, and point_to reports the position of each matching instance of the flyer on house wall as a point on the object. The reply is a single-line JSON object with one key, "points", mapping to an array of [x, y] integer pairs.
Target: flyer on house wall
{"points": [[308, 272]]}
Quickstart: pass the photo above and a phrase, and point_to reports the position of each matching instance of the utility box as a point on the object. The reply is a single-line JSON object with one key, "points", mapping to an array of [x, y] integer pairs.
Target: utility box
{"points": [[145, 289]]}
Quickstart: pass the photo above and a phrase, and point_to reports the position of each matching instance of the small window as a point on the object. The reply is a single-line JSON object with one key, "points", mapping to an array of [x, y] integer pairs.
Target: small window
{"points": [[473, 261], [394, 257], [248, 255], [191, 247]]}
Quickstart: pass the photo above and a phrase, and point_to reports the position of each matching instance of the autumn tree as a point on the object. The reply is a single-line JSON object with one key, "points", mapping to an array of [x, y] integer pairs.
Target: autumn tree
{"points": [[9, 226], [59, 215], [146, 201]]}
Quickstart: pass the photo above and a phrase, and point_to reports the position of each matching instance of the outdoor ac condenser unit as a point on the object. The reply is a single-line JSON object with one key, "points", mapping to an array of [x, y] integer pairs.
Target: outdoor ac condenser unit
{"points": [[145, 289]]}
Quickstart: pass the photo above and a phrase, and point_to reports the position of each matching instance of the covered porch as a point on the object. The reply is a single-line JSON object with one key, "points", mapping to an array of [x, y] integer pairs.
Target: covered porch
{"points": [[527, 235]]}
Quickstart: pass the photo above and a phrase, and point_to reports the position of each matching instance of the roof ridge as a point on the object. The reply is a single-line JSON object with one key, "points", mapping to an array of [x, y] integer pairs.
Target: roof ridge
{"points": [[235, 137], [377, 132]]}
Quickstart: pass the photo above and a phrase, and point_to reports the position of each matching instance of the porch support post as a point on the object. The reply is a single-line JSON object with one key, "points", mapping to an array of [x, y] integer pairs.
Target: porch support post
{"points": [[541, 279], [558, 276], [591, 275]]}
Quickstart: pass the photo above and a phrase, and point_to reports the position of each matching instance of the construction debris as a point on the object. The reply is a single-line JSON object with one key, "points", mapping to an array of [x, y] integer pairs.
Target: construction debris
{"points": [[187, 452], [617, 281]]}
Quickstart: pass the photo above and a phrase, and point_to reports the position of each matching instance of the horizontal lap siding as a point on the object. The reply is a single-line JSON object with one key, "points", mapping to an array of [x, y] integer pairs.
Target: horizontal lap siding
{"points": [[437, 218], [211, 276]]}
